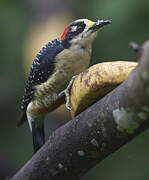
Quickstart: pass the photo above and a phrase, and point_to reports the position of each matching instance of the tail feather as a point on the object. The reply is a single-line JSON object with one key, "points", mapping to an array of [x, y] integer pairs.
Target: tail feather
{"points": [[37, 130], [22, 119], [38, 136]]}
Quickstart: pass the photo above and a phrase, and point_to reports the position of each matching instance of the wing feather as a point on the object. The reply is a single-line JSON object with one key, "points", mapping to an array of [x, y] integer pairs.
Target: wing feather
{"points": [[42, 67]]}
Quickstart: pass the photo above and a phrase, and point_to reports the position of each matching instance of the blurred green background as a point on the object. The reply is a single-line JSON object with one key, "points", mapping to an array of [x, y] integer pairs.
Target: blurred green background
{"points": [[24, 27]]}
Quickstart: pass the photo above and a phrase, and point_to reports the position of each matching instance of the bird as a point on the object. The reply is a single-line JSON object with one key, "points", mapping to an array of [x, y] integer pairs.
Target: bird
{"points": [[52, 70]]}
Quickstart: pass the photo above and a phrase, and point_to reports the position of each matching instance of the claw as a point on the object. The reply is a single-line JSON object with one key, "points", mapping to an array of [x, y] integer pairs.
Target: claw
{"points": [[61, 93], [66, 93], [68, 107], [135, 46]]}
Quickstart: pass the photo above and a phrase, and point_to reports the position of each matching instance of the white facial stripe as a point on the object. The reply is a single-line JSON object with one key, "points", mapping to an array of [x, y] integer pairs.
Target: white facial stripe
{"points": [[87, 21], [82, 20]]}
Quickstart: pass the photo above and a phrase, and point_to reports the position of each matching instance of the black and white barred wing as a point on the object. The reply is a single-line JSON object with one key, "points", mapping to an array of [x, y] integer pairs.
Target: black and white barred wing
{"points": [[42, 67]]}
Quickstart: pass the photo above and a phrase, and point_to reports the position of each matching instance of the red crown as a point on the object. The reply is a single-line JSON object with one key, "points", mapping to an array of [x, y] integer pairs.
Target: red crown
{"points": [[62, 37]]}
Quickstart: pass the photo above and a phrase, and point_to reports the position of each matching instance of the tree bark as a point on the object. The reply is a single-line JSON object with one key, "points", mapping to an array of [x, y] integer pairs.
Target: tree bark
{"points": [[83, 142]]}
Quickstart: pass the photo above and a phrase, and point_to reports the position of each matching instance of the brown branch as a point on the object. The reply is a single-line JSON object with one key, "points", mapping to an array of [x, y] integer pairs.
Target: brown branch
{"points": [[79, 145]]}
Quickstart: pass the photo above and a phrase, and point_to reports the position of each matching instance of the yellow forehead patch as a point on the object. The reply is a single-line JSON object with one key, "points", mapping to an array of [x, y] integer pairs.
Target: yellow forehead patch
{"points": [[89, 23]]}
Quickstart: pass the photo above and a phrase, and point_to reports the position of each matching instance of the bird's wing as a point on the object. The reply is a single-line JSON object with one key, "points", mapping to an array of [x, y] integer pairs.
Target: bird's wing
{"points": [[42, 67]]}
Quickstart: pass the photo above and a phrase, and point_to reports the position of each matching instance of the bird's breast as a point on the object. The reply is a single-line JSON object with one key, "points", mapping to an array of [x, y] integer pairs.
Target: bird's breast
{"points": [[72, 62], [67, 64]]}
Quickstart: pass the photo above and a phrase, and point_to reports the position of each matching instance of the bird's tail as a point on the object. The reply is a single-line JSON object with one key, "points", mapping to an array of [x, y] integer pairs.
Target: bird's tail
{"points": [[37, 131], [22, 119], [38, 136]]}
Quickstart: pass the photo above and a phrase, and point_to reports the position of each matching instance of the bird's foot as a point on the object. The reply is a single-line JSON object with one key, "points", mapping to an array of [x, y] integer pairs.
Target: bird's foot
{"points": [[135, 46], [66, 91]]}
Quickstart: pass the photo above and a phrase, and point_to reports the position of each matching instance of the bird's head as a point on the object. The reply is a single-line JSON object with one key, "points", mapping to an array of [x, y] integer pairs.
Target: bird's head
{"points": [[82, 31]]}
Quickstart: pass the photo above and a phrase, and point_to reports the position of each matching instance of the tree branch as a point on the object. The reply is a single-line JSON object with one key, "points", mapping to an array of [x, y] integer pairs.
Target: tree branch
{"points": [[83, 142]]}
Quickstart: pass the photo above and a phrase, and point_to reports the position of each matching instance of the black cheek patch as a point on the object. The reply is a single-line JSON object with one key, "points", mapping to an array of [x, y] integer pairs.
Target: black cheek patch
{"points": [[80, 28]]}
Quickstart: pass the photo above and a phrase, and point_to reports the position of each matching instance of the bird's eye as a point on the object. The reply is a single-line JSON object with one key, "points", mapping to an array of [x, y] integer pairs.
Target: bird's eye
{"points": [[80, 27]]}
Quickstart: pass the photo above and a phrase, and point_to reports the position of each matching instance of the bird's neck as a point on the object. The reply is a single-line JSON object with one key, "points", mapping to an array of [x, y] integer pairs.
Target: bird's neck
{"points": [[81, 48]]}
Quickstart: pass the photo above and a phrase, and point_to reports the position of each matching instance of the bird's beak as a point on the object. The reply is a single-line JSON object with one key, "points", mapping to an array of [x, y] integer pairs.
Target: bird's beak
{"points": [[98, 24]]}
